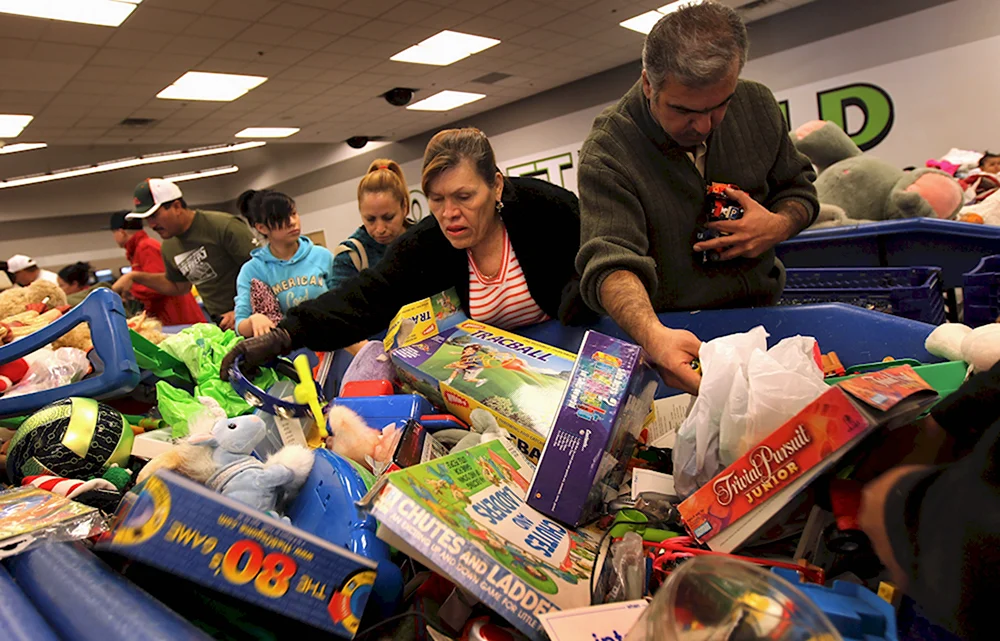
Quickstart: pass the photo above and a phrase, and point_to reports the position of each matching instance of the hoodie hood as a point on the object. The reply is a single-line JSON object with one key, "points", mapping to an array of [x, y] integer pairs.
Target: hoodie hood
{"points": [[264, 253]]}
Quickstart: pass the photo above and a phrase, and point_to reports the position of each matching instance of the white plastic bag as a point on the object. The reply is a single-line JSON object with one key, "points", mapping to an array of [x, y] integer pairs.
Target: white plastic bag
{"points": [[49, 369], [747, 391]]}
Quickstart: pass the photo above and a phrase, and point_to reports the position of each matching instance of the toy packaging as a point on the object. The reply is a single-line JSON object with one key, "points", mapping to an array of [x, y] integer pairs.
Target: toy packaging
{"points": [[464, 516], [731, 507], [177, 525], [29, 515], [425, 318], [595, 433], [409, 445], [475, 366]]}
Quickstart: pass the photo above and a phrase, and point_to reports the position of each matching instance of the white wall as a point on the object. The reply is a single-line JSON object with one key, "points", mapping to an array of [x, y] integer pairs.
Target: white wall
{"points": [[927, 62]]}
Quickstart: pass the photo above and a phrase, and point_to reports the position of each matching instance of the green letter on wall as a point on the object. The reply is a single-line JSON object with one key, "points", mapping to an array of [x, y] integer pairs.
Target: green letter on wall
{"points": [[873, 101]]}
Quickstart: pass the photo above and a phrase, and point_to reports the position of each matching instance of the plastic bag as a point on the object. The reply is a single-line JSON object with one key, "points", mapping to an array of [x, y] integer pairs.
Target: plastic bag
{"points": [[50, 369], [747, 391]]}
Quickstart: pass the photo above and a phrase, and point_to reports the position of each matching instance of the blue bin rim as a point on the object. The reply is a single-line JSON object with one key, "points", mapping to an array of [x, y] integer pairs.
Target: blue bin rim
{"points": [[931, 272], [934, 225], [982, 265]]}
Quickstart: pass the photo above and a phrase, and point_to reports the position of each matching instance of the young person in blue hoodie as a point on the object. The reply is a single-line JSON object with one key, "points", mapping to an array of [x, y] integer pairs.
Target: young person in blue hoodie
{"points": [[384, 202], [290, 265]]}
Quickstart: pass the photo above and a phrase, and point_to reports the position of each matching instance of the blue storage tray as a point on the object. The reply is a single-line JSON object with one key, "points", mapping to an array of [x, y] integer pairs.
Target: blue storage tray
{"points": [[910, 292], [981, 292]]}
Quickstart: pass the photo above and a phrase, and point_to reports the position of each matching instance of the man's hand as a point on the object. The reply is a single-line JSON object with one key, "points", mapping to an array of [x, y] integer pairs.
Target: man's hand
{"points": [[228, 321], [260, 324], [123, 284], [871, 517], [257, 351], [758, 231], [673, 350]]}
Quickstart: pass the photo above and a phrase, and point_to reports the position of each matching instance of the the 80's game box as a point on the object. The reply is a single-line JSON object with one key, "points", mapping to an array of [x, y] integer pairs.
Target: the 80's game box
{"points": [[179, 526], [472, 366]]}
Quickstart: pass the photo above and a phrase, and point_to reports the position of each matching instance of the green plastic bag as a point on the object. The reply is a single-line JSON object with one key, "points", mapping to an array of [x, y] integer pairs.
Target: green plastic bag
{"points": [[177, 408], [159, 362]]}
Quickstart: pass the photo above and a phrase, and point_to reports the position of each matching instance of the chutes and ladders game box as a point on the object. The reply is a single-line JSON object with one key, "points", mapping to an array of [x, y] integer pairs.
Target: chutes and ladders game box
{"points": [[730, 508]]}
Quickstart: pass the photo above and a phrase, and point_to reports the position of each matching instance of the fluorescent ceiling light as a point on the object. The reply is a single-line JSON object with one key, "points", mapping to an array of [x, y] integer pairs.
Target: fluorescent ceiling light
{"points": [[200, 85], [446, 101], [204, 173], [445, 48], [11, 126], [106, 13], [267, 132], [21, 146], [124, 163], [645, 22]]}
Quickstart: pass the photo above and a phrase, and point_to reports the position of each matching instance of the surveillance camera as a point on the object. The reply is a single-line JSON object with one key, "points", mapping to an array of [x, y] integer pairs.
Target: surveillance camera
{"points": [[357, 142], [399, 96]]}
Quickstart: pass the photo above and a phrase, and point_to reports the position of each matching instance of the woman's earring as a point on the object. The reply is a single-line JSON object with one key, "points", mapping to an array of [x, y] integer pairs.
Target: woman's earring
{"points": [[499, 206]]}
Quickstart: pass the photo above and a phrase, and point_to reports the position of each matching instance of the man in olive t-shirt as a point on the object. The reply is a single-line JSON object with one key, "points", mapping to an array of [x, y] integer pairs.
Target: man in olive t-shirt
{"points": [[201, 248]]}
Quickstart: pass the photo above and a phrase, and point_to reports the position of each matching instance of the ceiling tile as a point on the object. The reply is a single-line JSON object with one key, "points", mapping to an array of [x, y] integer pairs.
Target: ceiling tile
{"points": [[412, 11], [236, 50], [196, 6], [58, 52], [22, 28], [380, 30], [577, 25], [446, 18], [29, 75], [140, 39], [323, 60], [336, 22], [543, 39], [221, 65], [244, 9], [75, 33], [195, 45], [293, 15], [357, 63], [541, 16], [121, 58], [370, 8], [298, 73], [266, 34], [409, 36], [216, 27], [175, 62], [350, 45], [266, 69], [153, 19], [491, 28], [312, 40]]}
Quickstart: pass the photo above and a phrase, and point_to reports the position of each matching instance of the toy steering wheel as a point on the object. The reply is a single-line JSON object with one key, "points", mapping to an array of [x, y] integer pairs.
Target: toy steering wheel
{"points": [[260, 399]]}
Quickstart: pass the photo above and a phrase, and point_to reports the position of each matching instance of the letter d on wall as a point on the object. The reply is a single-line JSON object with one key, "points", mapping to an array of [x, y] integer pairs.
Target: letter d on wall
{"points": [[875, 104]]}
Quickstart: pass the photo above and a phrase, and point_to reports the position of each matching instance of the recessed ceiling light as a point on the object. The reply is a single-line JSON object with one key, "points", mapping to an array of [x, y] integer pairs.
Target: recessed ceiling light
{"points": [[446, 100], [204, 173], [124, 163], [267, 132], [21, 146], [445, 48], [200, 85], [645, 22], [106, 13], [11, 126]]}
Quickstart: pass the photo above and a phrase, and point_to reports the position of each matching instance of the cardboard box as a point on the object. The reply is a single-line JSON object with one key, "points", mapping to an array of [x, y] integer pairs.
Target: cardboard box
{"points": [[596, 430], [742, 498], [475, 366], [179, 526]]}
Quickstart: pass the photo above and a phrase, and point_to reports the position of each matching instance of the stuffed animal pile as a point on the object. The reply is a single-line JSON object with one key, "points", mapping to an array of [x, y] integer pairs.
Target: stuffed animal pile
{"points": [[25, 310], [857, 188]]}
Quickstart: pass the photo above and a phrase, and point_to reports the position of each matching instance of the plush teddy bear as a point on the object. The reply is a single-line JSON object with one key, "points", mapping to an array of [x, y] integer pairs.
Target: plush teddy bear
{"points": [[853, 187]]}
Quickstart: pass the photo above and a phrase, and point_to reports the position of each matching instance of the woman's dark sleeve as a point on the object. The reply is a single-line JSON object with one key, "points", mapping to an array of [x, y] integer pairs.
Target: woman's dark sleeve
{"points": [[414, 267], [971, 409]]}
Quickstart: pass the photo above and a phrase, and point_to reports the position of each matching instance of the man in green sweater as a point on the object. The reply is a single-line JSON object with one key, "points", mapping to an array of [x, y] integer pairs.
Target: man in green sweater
{"points": [[688, 122]]}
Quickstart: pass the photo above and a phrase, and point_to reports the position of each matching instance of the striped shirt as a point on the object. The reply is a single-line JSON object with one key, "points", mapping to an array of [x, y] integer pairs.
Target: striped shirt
{"points": [[504, 300]]}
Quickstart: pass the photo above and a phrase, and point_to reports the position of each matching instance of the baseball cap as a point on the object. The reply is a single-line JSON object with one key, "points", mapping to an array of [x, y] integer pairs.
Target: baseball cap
{"points": [[150, 194], [120, 220], [17, 262]]}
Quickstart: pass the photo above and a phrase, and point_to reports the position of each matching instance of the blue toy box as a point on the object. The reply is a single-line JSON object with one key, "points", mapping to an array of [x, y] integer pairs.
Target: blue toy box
{"points": [[609, 396], [179, 526]]}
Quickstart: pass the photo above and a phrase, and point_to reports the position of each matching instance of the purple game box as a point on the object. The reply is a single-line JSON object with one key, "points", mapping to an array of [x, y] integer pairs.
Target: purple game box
{"points": [[596, 429]]}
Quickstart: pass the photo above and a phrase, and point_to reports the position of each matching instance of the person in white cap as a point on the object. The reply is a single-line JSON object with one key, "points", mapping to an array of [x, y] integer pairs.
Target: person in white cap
{"points": [[201, 248], [25, 271]]}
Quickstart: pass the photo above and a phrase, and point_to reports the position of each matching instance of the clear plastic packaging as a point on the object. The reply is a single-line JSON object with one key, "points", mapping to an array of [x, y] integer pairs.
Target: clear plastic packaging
{"points": [[30, 516], [712, 598], [50, 369]]}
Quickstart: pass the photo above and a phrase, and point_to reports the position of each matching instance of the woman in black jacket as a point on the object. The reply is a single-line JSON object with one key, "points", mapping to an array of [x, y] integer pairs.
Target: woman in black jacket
{"points": [[507, 245]]}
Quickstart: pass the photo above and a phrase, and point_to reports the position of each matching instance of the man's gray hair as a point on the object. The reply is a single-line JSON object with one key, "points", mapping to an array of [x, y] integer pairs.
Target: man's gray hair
{"points": [[695, 45]]}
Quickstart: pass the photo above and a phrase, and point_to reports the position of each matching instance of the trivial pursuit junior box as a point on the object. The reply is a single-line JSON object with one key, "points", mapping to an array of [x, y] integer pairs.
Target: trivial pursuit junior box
{"points": [[179, 526], [596, 430], [472, 366]]}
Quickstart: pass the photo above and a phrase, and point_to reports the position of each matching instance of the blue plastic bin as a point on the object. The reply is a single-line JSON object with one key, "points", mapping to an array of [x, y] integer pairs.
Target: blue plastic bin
{"points": [[981, 292], [910, 292]]}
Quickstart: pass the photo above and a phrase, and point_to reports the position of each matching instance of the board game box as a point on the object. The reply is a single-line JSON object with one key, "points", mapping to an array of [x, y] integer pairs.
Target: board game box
{"points": [[595, 434], [184, 528], [472, 366], [464, 516]]}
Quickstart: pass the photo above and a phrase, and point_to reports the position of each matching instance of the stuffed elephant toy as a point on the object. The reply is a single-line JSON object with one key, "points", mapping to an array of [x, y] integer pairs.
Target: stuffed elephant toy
{"points": [[854, 187]]}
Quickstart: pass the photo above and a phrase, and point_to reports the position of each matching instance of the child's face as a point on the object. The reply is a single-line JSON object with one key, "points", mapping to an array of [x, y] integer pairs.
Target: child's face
{"points": [[992, 165]]}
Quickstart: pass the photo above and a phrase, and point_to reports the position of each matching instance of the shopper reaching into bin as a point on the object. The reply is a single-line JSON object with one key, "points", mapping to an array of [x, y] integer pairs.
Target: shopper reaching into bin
{"points": [[200, 247], [505, 244], [644, 171]]}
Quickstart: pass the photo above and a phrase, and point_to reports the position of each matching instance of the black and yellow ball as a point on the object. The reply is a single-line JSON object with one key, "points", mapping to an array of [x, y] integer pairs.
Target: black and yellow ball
{"points": [[76, 438]]}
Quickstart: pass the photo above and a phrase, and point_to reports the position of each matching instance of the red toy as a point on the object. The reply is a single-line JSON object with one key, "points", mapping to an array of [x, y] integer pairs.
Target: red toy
{"points": [[11, 373]]}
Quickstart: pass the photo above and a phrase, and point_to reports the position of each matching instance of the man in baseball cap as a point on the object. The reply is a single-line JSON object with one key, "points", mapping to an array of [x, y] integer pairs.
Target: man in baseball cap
{"points": [[200, 247], [25, 271]]}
